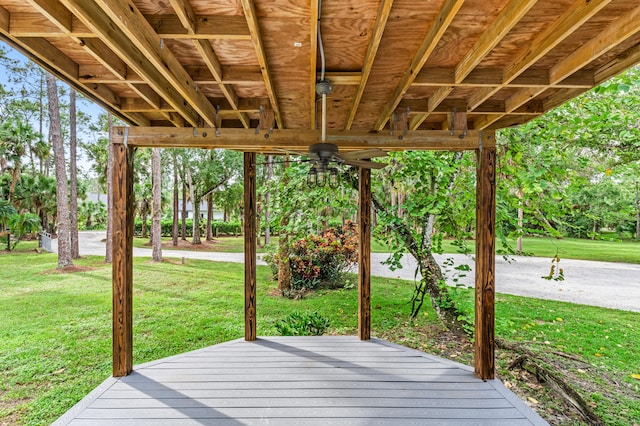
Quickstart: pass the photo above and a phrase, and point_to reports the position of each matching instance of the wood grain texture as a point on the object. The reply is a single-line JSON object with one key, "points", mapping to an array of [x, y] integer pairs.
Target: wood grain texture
{"points": [[485, 264], [364, 257], [250, 246], [122, 261], [487, 46]]}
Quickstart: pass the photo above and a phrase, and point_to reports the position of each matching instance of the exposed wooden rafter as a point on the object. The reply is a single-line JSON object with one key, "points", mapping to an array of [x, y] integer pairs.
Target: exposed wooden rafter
{"points": [[616, 33], [249, 8], [188, 18], [378, 29], [56, 62], [436, 31], [499, 28], [579, 13]]}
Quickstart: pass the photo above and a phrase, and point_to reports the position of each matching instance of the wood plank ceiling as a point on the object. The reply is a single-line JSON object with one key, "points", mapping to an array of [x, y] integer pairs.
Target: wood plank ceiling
{"points": [[217, 63]]}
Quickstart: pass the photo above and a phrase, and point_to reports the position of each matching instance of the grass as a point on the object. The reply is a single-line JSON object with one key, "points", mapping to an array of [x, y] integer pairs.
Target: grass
{"points": [[567, 248], [56, 328]]}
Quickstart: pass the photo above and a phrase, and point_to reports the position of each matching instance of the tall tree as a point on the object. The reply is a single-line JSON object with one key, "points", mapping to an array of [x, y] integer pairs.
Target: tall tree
{"points": [[73, 176], [174, 228], [156, 215], [62, 194]]}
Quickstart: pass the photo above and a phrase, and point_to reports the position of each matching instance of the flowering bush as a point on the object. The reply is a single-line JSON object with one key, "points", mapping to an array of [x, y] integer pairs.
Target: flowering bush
{"points": [[320, 259]]}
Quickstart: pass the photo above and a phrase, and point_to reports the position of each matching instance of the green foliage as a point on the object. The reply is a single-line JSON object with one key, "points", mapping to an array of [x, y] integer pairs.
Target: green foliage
{"points": [[92, 215], [23, 224], [303, 324], [6, 211], [219, 227], [320, 259]]}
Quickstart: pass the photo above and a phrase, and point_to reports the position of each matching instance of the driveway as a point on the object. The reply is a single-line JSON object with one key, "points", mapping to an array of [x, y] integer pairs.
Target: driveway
{"points": [[605, 284]]}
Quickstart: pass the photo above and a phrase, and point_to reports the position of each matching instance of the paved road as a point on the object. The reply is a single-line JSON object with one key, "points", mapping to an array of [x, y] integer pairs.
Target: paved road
{"points": [[606, 284]]}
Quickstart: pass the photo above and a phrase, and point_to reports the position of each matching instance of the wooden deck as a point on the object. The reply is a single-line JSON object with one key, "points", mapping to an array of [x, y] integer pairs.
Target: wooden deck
{"points": [[301, 381]]}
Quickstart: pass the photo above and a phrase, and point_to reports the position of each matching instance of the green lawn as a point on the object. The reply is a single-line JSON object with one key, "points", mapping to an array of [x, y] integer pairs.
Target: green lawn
{"points": [[570, 248], [56, 328], [567, 248]]}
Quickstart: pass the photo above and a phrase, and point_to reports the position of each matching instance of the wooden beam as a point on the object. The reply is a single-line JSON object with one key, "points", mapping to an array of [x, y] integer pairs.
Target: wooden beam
{"points": [[120, 43], [579, 13], [499, 28], [491, 77], [55, 12], [622, 62], [436, 31], [250, 245], [143, 36], [188, 18], [485, 264], [616, 33], [249, 8], [122, 260], [209, 27], [378, 29], [364, 258], [297, 139], [131, 23]]}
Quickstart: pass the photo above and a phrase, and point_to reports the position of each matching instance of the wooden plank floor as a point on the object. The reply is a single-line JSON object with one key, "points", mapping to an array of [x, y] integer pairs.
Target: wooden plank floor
{"points": [[301, 381]]}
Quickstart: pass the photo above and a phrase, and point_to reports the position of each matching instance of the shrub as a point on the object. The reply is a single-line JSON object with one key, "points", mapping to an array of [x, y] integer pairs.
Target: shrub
{"points": [[321, 259], [217, 227], [303, 324]]}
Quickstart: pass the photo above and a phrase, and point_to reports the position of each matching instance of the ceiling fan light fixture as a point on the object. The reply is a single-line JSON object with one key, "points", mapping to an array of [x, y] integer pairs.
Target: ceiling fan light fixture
{"points": [[312, 177], [334, 181]]}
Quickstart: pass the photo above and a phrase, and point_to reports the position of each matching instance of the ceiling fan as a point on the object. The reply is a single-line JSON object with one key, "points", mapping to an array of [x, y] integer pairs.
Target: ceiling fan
{"points": [[322, 154]]}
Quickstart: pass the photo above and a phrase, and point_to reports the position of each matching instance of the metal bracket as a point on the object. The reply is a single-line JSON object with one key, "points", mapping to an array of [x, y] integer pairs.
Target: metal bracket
{"points": [[480, 141], [452, 125]]}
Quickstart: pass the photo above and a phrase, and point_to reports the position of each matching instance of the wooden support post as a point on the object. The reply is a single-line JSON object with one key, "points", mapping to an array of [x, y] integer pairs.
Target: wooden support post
{"points": [[250, 246], [485, 263], [122, 260], [364, 260]]}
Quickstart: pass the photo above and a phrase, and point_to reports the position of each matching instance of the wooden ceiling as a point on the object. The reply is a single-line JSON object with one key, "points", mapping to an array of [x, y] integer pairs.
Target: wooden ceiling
{"points": [[217, 63]]}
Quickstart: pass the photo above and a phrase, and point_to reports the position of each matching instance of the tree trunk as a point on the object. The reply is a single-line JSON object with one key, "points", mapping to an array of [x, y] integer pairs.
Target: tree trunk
{"points": [[183, 233], [520, 195], [267, 200], [196, 210], [174, 229], [73, 178], [637, 213], [144, 213], [156, 189], [109, 248], [284, 268], [62, 194], [209, 237]]}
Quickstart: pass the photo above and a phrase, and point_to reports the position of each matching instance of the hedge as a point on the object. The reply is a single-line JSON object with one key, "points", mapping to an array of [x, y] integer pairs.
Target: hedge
{"points": [[166, 225]]}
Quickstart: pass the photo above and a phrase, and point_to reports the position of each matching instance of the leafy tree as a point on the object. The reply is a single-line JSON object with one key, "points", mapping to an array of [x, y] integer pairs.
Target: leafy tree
{"points": [[6, 212], [23, 224]]}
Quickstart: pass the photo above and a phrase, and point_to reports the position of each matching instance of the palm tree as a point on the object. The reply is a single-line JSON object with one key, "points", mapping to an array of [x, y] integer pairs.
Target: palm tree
{"points": [[23, 224], [6, 212]]}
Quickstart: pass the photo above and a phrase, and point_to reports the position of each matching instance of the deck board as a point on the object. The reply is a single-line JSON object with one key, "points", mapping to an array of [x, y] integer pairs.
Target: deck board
{"points": [[301, 381]]}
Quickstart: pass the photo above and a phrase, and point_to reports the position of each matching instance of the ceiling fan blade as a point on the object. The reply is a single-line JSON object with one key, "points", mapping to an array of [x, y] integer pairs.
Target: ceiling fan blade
{"points": [[365, 164], [363, 154]]}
